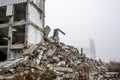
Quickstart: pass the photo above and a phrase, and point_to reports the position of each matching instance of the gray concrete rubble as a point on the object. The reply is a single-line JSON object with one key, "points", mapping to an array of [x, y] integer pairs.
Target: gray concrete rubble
{"points": [[63, 61], [52, 61]]}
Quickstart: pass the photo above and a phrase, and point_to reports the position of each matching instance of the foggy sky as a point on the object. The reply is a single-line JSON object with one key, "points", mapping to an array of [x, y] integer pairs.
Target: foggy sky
{"points": [[85, 19]]}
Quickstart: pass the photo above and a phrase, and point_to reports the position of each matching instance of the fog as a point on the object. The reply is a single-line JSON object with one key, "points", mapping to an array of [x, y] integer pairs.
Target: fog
{"points": [[85, 19]]}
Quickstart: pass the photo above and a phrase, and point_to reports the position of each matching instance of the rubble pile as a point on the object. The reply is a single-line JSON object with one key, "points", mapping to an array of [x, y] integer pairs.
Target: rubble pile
{"points": [[53, 61], [59, 62], [67, 62]]}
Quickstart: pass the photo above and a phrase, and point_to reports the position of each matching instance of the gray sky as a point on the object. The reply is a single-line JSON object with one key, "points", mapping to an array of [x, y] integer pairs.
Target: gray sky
{"points": [[85, 19]]}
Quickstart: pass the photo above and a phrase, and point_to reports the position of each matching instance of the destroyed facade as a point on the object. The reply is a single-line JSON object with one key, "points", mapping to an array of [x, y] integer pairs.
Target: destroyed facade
{"points": [[21, 25]]}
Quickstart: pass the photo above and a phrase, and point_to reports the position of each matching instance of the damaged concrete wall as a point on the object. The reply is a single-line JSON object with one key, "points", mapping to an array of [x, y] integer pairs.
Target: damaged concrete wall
{"points": [[34, 16], [34, 35]]}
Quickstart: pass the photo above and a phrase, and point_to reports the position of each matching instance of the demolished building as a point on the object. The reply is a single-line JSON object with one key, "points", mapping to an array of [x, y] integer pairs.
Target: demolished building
{"points": [[21, 24], [27, 53]]}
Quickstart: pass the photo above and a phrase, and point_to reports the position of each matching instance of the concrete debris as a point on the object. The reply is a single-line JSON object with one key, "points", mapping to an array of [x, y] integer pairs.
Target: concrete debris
{"points": [[53, 61], [56, 35]]}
